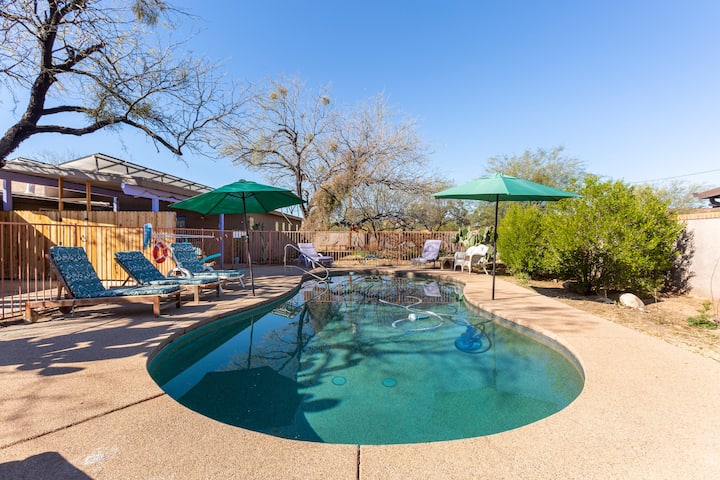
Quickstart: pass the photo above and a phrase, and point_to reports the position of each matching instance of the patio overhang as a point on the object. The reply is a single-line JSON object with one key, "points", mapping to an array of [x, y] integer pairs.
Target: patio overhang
{"points": [[712, 195]]}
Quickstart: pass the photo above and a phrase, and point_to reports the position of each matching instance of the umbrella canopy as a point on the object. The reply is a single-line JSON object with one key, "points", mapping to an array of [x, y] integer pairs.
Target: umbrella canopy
{"points": [[500, 187], [243, 197]]}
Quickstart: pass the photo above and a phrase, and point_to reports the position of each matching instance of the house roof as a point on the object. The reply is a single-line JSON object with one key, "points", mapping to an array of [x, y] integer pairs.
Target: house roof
{"points": [[108, 176], [715, 192], [47, 170], [713, 195], [99, 163]]}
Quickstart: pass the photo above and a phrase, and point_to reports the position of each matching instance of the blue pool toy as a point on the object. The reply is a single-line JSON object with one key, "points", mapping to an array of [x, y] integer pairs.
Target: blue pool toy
{"points": [[471, 341]]}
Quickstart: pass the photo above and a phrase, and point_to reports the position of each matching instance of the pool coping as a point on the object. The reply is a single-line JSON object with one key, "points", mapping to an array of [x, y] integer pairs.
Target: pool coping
{"points": [[77, 401]]}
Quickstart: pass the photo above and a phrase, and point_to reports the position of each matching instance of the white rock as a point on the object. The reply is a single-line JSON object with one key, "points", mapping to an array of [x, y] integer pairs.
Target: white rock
{"points": [[632, 301]]}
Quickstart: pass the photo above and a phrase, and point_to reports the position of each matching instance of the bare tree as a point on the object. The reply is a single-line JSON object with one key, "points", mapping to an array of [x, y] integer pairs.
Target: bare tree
{"points": [[85, 65], [333, 160], [377, 207], [285, 126], [373, 155], [372, 209]]}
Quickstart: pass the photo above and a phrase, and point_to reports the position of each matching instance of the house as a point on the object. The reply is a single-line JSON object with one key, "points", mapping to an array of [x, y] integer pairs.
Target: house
{"points": [[100, 182]]}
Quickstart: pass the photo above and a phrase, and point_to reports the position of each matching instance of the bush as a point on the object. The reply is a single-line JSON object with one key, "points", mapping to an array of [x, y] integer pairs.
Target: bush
{"points": [[520, 239], [616, 237]]}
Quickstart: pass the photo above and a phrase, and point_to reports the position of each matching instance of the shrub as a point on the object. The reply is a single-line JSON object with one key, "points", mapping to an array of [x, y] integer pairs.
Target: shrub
{"points": [[616, 237], [520, 240]]}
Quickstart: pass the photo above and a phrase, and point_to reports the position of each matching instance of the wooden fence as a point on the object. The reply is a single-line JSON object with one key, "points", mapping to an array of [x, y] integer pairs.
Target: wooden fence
{"points": [[74, 217], [26, 238]]}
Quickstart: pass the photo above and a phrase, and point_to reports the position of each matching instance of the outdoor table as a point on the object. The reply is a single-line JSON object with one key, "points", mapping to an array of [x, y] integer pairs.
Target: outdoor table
{"points": [[447, 260]]}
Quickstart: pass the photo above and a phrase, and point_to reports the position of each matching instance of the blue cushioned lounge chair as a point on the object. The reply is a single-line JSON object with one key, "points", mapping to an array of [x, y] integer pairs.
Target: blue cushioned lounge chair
{"points": [[77, 276], [189, 265], [143, 272]]}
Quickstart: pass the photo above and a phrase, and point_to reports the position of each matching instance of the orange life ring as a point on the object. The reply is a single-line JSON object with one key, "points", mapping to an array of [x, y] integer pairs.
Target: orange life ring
{"points": [[160, 252]]}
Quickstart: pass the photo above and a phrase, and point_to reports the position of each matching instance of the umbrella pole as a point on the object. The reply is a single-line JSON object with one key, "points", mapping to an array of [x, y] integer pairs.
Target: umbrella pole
{"points": [[497, 201], [247, 230]]}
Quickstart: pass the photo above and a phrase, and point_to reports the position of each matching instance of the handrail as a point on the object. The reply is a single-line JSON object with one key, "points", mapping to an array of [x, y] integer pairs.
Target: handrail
{"points": [[312, 262]]}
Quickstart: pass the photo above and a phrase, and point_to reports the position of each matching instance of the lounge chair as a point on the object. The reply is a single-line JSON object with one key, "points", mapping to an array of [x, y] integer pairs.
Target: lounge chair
{"points": [[188, 265], [473, 256], [430, 253], [140, 269], [77, 276], [311, 258]]}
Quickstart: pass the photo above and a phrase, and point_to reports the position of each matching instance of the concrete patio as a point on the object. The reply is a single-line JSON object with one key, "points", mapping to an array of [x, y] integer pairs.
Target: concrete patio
{"points": [[77, 403]]}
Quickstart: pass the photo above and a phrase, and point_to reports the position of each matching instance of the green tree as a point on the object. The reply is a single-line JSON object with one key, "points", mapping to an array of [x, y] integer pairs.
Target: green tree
{"points": [[548, 167], [615, 237], [680, 195]]}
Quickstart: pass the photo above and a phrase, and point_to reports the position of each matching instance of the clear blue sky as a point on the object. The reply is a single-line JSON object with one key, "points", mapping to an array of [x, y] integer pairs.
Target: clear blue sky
{"points": [[632, 88]]}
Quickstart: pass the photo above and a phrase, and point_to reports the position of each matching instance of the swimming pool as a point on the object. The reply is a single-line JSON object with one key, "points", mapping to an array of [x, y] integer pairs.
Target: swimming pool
{"points": [[369, 360]]}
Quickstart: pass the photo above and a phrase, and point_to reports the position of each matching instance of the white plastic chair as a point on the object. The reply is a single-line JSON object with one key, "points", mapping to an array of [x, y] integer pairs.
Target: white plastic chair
{"points": [[476, 255]]}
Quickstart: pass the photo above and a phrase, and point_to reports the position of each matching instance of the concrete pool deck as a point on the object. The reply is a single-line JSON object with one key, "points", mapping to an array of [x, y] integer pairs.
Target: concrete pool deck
{"points": [[77, 403]]}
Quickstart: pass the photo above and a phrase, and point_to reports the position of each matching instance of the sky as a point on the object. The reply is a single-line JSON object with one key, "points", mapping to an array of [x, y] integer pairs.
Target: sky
{"points": [[630, 88]]}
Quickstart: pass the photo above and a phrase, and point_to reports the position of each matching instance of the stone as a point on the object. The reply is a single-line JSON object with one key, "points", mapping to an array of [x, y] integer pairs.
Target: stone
{"points": [[632, 301]]}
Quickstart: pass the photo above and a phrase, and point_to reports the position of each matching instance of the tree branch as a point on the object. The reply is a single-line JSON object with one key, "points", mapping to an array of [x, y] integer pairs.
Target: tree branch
{"points": [[105, 61]]}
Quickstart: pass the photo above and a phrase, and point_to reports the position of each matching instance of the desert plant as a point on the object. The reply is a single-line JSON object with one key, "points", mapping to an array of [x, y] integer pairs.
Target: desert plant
{"points": [[705, 317]]}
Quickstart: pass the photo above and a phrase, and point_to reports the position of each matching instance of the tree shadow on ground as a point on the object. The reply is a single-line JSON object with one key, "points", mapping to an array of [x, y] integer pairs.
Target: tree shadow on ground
{"points": [[99, 336], [43, 466]]}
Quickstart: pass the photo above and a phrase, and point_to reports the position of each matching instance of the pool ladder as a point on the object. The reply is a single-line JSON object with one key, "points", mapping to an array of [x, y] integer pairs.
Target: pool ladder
{"points": [[324, 272]]}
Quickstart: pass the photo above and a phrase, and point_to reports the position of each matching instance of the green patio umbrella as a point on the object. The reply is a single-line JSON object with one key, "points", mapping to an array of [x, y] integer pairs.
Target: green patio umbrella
{"points": [[243, 197], [500, 187]]}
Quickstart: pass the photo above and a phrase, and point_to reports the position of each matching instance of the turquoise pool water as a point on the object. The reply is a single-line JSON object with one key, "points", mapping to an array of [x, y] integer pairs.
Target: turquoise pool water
{"points": [[368, 360]]}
